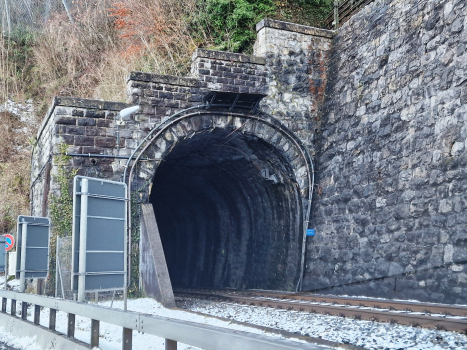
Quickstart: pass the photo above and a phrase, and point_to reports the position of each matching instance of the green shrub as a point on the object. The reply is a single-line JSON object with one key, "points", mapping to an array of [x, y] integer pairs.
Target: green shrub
{"points": [[232, 23]]}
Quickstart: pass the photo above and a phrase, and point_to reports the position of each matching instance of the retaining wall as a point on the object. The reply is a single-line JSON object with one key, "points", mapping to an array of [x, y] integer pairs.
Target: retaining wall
{"points": [[391, 206]]}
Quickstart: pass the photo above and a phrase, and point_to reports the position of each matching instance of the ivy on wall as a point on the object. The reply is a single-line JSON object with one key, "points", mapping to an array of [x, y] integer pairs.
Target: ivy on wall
{"points": [[61, 206], [60, 210], [61, 214], [134, 290]]}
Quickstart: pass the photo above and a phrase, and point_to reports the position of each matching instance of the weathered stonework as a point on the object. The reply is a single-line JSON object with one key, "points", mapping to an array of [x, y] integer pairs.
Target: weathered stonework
{"points": [[229, 72], [252, 167], [391, 210], [381, 106], [87, 126], [296, 61]]}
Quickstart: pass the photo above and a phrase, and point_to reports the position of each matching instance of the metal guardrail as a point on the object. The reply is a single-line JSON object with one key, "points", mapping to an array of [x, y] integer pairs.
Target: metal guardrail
{"points": [[343, 11], [173, 330]]}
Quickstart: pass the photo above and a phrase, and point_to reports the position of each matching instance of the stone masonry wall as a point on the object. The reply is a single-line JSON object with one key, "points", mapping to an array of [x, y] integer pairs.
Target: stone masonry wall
{"points": [[391, 207], [229, 72], [389, 140], [293, 79], [296, 63], [42, 154], [86, 126], [89, 126], [161, 96]]}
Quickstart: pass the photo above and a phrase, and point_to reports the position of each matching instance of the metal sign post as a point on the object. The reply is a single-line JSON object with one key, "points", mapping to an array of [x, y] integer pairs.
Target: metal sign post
{"points": [[83, 233], [3, 256], [32, 253], [22, 273], [9, 245], [99, 242], [2, 252]]}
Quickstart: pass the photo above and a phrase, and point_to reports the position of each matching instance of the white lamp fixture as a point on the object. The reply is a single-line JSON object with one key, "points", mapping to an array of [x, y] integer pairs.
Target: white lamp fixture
{"points": [[125, 113]]}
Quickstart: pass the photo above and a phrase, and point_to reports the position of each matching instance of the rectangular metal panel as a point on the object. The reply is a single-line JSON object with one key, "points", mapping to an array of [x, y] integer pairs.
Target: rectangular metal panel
{"points": [[37, 246], [104, 207], [2, 252], [106, 239], [105, 234], [104, 262], [104, 282]]}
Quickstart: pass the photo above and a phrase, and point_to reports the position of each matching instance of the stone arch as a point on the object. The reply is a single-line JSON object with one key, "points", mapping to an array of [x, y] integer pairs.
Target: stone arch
{"points": [[230, 193]]}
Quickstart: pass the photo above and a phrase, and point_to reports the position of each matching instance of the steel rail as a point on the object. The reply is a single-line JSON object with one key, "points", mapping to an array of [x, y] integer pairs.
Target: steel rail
{"points": [[400, 305], [187, 332], [425, 321], [432, 308]]}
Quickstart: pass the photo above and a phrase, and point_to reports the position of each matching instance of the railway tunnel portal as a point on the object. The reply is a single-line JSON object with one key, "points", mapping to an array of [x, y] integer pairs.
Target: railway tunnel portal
{"points": [[389, 215], [228, 187], [230, 194]]}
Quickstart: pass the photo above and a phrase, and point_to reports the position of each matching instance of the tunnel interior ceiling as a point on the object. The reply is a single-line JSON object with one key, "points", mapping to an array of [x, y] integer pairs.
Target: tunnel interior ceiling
{"points": [[225, 221]]}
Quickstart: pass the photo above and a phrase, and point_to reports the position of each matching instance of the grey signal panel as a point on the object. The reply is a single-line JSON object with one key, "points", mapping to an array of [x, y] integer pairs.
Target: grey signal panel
{"points": [[99, 235], [2, 252], [32, 246]]}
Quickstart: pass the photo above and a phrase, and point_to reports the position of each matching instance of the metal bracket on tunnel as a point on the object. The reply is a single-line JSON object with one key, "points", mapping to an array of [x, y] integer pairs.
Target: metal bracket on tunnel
{"points": [[272, 177], [231, 100]]}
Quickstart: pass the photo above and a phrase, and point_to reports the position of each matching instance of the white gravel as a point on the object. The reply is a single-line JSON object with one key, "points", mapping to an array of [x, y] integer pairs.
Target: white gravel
{"points": [[370, 335]]}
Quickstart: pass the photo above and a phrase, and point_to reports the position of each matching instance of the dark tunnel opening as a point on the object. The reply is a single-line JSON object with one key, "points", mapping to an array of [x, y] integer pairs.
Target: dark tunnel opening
{"points": [[229, 213]]}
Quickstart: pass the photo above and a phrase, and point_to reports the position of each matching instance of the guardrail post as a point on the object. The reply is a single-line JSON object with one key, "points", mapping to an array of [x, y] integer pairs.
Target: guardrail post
{"points": [[70, 332], [170, 344], [94, 334], [24, 310], [52, 319], [37, 314], [127, 340], [4, 300], [13, 307]]}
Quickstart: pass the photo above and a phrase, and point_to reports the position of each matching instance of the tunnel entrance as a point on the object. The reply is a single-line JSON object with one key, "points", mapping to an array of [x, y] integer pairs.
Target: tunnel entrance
{"points": [[229, 212]]}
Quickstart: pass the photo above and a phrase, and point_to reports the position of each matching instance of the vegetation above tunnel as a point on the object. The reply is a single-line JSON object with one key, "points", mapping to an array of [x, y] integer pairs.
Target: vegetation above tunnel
{"points": [[92, 56]]}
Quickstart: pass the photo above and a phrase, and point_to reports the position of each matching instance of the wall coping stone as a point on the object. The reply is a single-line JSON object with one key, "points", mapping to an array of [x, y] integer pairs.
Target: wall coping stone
{"points": [[163, 79], [227, 56], [79, 103], [293, 27], [88, 103]]}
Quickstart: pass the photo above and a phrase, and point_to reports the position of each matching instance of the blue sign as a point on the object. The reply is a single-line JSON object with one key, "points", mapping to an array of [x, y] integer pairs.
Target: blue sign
{"points": [[310, 232]]}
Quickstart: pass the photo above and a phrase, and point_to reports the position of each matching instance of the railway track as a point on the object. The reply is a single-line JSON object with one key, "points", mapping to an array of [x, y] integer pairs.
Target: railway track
{"points": [[437, 316]]}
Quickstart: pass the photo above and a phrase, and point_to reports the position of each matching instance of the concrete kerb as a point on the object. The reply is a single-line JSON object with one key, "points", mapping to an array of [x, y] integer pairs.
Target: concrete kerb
{"points": [[44, 337]]}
